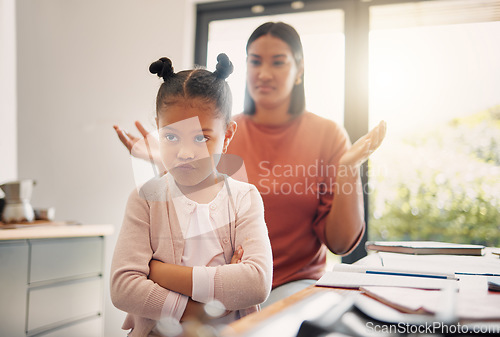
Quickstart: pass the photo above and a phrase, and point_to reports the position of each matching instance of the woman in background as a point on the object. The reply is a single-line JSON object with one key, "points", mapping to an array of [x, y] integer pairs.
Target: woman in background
{"points": [[303, 165]]}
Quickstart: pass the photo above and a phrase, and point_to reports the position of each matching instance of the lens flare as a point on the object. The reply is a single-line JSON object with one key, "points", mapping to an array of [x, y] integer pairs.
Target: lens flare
{"points": [[215, 309], [169, 327]]}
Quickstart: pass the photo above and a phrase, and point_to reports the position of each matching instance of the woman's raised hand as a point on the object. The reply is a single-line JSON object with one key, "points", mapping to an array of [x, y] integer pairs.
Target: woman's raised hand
{"points": [[146, 148], [364, 147]]}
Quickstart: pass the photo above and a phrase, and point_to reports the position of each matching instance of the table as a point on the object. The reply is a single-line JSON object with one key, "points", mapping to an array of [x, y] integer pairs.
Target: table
{"points": [[284, 317]]}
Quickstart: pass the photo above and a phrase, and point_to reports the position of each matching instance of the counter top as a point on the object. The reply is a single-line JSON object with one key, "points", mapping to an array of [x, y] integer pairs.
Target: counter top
{"points": [[46, 230]]}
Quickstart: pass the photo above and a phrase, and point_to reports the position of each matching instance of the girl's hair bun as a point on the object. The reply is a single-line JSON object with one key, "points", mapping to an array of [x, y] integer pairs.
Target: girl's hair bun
{"points": [[224, 67], [163, 68]]}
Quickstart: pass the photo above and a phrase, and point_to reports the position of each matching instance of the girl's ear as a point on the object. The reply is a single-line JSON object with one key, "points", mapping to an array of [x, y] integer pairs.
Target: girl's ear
{"points": [[230, 131], [156, 120]]}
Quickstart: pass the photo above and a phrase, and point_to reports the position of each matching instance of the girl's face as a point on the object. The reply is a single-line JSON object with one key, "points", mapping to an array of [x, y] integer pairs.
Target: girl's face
{"points": [[271, 71], [191, 140]]}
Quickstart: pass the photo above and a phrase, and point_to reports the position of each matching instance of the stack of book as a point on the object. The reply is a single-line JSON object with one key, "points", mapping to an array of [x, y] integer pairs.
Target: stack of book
{"points": [[425, 248]]}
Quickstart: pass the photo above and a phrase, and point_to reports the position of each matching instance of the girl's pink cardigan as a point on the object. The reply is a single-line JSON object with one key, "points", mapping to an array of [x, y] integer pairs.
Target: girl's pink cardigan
{"points": [[151, 230]]}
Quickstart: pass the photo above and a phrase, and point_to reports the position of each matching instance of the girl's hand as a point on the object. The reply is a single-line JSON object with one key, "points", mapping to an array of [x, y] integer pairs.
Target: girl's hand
{"points": [[238, 254], [364, 147], [146, 148]]}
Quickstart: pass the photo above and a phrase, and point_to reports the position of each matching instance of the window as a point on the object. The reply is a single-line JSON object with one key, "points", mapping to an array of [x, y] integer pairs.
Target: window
{"points": [[415, 64], [435, 79]]}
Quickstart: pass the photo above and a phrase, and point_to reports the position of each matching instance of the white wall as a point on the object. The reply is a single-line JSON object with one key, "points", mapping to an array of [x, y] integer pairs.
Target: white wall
{"points": [[82, 67], [8, 123]]}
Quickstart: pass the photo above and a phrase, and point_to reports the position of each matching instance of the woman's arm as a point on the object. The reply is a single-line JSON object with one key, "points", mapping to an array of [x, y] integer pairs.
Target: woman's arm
{"points": [[146, 148], [344, 223]]}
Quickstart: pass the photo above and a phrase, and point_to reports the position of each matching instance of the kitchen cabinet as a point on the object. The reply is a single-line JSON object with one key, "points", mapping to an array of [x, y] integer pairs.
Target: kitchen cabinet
{"points": [[52, 287], [13, 289]]}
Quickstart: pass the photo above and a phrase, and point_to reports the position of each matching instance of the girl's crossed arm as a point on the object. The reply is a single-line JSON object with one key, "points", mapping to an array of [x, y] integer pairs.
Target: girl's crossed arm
{"points": [[253, 275], [179, 278]]}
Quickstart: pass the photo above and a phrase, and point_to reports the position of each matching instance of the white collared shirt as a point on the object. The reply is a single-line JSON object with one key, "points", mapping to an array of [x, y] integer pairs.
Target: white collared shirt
{"points": [[202, 247]]}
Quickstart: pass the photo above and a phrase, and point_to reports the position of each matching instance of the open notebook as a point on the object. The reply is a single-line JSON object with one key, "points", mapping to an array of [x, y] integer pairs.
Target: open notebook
{"points": [[355, 280]]}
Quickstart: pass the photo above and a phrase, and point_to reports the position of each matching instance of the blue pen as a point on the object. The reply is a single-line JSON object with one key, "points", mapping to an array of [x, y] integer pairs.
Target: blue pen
{"points": [[477, 274], [405, 274]]}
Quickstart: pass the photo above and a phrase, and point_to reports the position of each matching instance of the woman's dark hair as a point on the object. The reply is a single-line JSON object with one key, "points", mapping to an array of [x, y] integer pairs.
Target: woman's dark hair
{"points": [[195, 84], [289, 35]]}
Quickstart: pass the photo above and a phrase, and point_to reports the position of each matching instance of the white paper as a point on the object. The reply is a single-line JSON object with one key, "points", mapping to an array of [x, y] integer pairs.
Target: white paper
{"points": [[355, 280]]}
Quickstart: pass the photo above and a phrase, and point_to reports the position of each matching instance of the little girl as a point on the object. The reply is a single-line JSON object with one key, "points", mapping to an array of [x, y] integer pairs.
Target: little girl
{"points": [[192, 218]]}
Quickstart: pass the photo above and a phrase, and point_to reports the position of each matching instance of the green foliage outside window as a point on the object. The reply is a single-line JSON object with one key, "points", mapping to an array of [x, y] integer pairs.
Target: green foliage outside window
{"points": [[443, 185]]}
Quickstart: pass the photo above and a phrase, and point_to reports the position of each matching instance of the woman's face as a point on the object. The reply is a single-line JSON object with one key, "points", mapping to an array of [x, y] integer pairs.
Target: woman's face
{"points": [[271, 72], [191, 139]]}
